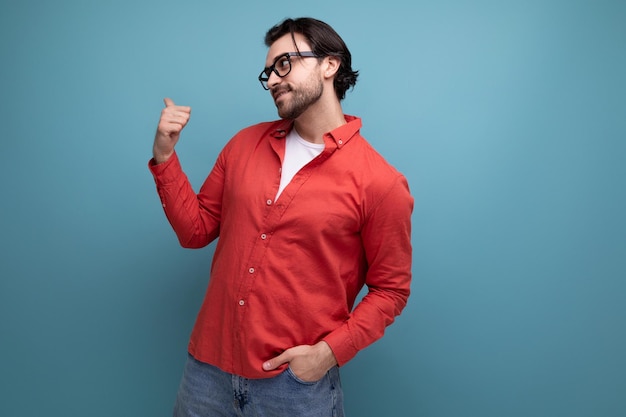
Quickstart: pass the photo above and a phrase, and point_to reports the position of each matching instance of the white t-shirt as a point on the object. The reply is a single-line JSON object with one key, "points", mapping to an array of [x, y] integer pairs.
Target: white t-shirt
{"points": [[298, 153]]}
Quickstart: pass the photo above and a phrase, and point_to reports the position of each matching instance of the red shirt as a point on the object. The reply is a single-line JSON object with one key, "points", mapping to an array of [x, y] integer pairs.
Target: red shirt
{"points": [[287, 272]]}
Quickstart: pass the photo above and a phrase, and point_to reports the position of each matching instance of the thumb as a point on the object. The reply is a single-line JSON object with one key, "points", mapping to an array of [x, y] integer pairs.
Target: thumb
{"points": [[168, 102], [274, 363]]}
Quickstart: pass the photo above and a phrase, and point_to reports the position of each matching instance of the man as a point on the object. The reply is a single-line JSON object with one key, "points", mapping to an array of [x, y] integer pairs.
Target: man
{"points": [[306, 212]]}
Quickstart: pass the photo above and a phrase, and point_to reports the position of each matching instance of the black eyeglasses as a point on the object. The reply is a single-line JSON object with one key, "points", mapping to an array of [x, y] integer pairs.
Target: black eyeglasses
{"points": [[282, 66]]}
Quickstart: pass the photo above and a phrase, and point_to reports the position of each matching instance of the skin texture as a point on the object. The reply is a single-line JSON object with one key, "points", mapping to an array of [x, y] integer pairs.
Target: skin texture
{"points": [[309, 363], [173, 120], [300, 97], [306, 96], [307, 76]]}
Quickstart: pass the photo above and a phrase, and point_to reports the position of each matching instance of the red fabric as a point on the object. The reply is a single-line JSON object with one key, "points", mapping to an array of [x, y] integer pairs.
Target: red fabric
{"points": [[287, 272]]}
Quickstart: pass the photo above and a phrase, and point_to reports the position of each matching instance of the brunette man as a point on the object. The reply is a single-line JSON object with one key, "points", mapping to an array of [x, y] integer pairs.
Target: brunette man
{"points": [[306, 213]]}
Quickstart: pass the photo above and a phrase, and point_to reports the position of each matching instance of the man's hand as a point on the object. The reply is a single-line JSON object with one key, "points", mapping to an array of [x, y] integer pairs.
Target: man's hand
{"points": [[173, 119], [309, 363]]}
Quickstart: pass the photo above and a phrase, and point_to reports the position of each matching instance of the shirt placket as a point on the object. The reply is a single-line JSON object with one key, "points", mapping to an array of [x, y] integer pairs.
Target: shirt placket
{"points": [[272, 213]]}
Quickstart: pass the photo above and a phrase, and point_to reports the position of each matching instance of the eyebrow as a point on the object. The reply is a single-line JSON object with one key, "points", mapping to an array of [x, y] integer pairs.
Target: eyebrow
{"points": [[276, 57], [281, 55]]}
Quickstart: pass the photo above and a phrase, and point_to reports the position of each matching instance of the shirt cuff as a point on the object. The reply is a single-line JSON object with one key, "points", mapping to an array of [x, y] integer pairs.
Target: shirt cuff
{"points": [[341, 344], [166, 172]]}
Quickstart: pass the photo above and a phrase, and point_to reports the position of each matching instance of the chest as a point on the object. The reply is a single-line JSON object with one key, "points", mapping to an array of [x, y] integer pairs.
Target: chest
{"points": [[325, 195]]}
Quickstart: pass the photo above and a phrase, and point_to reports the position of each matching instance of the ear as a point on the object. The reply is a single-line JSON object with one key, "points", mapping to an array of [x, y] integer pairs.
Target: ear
{"points": [[331, 66]]}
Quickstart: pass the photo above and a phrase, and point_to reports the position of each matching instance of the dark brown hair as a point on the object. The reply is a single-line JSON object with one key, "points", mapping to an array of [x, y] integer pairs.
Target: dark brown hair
{"points": [[324, 42]]}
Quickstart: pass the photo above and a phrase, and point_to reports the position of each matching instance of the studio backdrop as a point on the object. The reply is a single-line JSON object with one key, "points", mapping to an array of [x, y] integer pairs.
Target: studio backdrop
{"points": [[508, 119]]}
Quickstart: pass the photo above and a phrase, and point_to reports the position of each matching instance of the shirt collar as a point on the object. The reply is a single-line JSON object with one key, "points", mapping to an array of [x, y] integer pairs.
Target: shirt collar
{"points": [[344, 133], [339, 136]]}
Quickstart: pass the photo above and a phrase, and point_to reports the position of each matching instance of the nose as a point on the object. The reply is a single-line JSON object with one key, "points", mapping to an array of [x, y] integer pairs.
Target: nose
{"points": [[273, 80]]}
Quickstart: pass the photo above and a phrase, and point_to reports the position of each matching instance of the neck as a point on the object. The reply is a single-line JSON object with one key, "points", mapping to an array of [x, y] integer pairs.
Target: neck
{"points": [[318, 119]]}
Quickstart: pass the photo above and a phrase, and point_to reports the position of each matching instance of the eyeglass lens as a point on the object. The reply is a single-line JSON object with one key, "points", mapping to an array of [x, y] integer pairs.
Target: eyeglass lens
{"points": [[281, 67]]}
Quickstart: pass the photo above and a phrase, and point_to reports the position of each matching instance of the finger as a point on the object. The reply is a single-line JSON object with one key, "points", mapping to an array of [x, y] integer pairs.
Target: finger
{"points": [[176, 118], [171, 127], [177, 111], [175, 114], [169, 105], [279, 360]]}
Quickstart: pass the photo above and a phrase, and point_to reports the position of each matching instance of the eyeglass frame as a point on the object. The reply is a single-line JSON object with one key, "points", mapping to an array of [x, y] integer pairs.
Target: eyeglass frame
{"points": [[264, 76]]}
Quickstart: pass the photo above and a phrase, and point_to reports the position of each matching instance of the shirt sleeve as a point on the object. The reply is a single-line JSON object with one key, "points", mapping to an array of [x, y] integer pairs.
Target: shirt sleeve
{"points": [[386, 237], [195, 218]]}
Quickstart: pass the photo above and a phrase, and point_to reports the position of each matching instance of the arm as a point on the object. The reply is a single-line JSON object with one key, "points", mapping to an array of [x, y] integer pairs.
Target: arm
{"points": [[194, 218], [386, 238]]}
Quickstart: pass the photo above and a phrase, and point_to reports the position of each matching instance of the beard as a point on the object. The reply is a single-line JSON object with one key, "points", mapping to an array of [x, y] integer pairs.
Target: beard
{"points": [[301, 99]]}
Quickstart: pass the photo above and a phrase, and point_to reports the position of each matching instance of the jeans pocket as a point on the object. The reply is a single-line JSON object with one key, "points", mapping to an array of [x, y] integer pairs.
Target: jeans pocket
{"points": [[293, 376]]}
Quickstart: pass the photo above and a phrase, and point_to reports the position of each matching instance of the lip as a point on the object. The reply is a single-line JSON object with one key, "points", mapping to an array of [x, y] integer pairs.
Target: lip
{"points": [[279, 93]]}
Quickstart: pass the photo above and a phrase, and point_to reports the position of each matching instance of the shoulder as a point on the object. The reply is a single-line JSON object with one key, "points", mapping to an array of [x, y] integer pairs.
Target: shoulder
{"points": [[366, 158], [372, 164], [378, 178]]}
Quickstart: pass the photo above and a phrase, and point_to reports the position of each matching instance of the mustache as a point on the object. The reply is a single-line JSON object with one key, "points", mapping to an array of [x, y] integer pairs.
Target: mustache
{"points": [[280, 89]]}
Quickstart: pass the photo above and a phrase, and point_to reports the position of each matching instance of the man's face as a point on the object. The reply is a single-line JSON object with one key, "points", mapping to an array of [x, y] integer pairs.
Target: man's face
{"points": [[302, 87]]}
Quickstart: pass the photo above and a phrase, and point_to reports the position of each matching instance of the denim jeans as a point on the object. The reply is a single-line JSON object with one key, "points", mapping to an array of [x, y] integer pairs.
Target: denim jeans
{"points": [[206, 391]]}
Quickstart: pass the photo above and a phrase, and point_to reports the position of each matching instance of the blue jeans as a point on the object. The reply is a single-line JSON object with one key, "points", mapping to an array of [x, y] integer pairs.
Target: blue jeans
{"points": [[206, 391]]}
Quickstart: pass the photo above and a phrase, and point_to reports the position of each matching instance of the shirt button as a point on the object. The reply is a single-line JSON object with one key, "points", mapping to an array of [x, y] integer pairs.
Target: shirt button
{"points": [[269, 202], [263, 236], [241, 302], [251, 270], [340, 142]]}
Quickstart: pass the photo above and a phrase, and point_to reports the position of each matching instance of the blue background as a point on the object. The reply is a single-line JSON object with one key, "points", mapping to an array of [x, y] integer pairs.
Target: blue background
{"points": [[508, 118]]}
